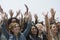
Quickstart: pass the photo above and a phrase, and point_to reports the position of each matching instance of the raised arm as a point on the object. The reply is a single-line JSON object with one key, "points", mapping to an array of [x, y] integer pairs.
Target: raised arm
{"points": [[29, 25], [4, 30], [18, 13], [47, 26], [52, 12], [11, 13], [26, 9], [52, 19], [36, 18]]}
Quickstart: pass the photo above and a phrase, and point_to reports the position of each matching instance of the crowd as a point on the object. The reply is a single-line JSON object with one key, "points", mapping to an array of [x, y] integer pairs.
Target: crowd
{"points": [[23, 28]]}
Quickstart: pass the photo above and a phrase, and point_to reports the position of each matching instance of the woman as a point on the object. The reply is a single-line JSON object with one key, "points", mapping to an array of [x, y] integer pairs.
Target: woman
{"points": [[15, 31], [33, 35], [42, 31], [54, 32]]}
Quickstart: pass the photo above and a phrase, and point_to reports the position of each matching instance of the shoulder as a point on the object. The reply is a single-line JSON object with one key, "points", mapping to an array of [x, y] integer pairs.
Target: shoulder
{"points": [[10, 36], [38, 38]]}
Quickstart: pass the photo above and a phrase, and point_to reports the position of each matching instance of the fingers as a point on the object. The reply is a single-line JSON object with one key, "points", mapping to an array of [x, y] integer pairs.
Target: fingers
{"points": [[11, 13], [26, 9], [52, 12], [28, 17], [18, 13], [1, 10], [45, 13]]}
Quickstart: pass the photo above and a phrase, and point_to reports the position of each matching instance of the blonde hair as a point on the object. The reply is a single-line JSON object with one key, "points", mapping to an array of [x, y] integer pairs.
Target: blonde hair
{"points": [[12, 25]]}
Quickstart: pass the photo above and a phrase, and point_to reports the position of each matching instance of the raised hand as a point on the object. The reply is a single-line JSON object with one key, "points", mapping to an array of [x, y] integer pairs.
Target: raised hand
{"points": [[1, 10], [52, 12], [45, 13], [35, 16], [52, 19], [26, 9], [27, 17], [47, 23], [18, 13], [11, 13]]}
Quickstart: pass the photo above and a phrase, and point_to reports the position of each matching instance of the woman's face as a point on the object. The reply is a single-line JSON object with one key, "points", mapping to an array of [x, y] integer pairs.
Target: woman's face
{"points": [[16, 29], [33, 30], [40, 27], [54, 28]]}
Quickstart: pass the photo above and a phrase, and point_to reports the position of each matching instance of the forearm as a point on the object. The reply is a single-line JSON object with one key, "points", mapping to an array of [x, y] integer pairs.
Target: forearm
{"points": [[47, 27], [29, 24], [36, 21], [4, 30]]}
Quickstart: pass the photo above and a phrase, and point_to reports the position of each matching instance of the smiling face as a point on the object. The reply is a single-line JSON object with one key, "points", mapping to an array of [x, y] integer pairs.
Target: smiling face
{"points": [[15, 28], [54, 28], [33, 30], [40, 27]]}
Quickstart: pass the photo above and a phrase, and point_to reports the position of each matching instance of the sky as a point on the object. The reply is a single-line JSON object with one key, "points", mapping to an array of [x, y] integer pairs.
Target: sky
{"points": [[35, 7]]}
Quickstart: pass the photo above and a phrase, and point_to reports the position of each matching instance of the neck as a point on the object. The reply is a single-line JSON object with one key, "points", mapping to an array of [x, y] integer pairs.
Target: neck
{"points": [[16, 34]]}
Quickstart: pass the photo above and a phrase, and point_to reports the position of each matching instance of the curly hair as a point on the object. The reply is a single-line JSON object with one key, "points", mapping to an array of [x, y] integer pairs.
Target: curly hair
{"points": [[9, 21], [11, 26]]}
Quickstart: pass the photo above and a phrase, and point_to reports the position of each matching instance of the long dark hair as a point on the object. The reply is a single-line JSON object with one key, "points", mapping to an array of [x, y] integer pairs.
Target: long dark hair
{"points": [[28, 37], [36, 29]]}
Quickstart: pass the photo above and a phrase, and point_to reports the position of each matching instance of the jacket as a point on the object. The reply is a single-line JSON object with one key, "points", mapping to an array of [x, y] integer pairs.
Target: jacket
{"points": [[21, 36]]}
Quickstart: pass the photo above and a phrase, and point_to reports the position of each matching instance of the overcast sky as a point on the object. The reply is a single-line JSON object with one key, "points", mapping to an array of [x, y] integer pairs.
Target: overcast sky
{"points": [[35, 6]]}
